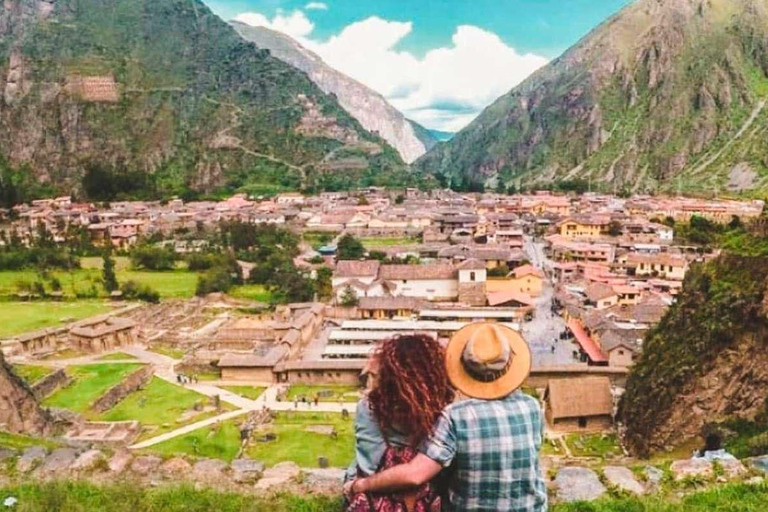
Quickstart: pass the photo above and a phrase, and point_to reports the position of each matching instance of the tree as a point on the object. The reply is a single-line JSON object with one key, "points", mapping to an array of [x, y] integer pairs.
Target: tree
{"points": [[149, 257], [614, 228], [350, 248], [323, 282], [349, 298], [108, 275]]}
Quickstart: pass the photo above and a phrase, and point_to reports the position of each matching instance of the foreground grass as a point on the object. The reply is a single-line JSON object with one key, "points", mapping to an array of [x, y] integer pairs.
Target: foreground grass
{"points": [[73, 496], [160, 405], [81, 496], [30, 373], [90, 382], [338, 393], [19, 317]]}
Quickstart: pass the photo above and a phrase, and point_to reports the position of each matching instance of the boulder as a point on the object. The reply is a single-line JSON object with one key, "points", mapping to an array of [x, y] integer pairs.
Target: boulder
{"points": [[246, 471], [89, 460], [279, 475], [30, 459], [120, 461], [733, 468], [6, 454], [578, 484], [146, 464], [653, 476], [209, 470], [691, 468], [761, 463], [58, 461], [623, 478], [327, 479], [175, 467]]}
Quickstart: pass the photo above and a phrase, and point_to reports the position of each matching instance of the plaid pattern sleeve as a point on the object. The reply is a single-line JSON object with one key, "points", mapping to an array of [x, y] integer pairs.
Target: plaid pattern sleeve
{"points": [[493, 449]]}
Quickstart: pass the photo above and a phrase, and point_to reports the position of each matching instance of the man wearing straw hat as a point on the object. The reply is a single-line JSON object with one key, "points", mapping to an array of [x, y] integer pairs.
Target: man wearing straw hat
{"points": [[490, 441]]}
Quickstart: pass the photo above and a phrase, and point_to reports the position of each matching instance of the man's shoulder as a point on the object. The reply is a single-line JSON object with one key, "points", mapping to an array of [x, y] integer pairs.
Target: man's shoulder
{"points": [[517, 400]]}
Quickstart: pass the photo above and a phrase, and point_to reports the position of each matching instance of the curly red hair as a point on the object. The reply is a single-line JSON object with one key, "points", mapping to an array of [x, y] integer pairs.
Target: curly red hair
{"points": [[412, 386]]}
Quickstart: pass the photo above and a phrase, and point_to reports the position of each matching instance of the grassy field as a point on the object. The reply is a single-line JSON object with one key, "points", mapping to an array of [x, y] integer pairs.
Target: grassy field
{"points": [[296, 444], [30, 373], [220, 441], [90, 382], [255, 292], [20, 442], [175, 353], [160, 404], [593, 445], [350, 394], [117, 356], [19, 317], [251, 392], [379, 242], [78, 496]]}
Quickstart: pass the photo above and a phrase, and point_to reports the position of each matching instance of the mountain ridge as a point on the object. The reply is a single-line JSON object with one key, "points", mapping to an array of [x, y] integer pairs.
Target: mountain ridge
{"points": [[370, 108], [665, 95]]}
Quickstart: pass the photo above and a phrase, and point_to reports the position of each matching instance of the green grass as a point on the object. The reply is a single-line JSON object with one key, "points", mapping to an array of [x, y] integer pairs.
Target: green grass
{"points": [[255, 292], [160, 405], [21, 442], [251, 392], [350, 394], [593, 445], [67, 353], [295, 444], [20, 317], [209, 376], [89, 383], [378, 242], [175, 353], [79, 496], [220, 441], [30, 373], [117, 356]]}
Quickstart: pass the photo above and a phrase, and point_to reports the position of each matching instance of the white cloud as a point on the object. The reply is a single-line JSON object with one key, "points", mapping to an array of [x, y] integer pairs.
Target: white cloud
{"points": [[445, 89], [318, 6]]}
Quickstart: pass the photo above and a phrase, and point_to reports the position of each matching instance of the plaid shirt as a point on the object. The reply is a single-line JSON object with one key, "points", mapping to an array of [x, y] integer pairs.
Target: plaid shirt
{"points": [[493, 450]]}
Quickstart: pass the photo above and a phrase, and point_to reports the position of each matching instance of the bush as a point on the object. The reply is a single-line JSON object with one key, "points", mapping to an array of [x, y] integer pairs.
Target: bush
{"points": [[198, 262], [217, 279], [758, 445], [137, 291], [149, 257]]}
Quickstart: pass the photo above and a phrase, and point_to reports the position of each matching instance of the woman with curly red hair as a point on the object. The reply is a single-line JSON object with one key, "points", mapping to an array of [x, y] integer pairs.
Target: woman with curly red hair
{"points": [[410, 390]]}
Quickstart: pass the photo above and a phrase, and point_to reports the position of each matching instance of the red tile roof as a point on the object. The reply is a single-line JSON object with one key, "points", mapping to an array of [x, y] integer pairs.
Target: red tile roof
{"points": [[587, 344]]}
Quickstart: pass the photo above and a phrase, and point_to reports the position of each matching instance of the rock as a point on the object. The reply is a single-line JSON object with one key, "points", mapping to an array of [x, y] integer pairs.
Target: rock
{"points": [[330, 479], [279, 475], [58, 461], [145, 464], [6, 454], [733, 468], [576, 484], [30, 459], [88, 460], [761, 463], [120, 461], [175, 467], [209, 470], [246, 471], [756, 480], [654, 476], [623, 478], [691, 468]]}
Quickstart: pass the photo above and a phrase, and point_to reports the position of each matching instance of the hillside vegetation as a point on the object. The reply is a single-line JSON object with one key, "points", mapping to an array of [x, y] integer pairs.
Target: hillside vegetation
{"points": [[142, 98], [665, 96]]}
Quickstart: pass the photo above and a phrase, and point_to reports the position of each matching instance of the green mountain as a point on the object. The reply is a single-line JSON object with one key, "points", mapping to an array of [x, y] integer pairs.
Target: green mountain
{"points": [[667, 95], [157, 97]]}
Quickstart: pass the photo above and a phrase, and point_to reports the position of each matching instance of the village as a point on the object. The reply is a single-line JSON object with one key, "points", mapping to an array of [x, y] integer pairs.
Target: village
{"points": [[582, 277]]}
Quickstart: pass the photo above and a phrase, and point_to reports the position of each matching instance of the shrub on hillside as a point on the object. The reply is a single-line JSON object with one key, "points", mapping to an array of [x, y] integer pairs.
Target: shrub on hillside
{"points": [[136, 291]]}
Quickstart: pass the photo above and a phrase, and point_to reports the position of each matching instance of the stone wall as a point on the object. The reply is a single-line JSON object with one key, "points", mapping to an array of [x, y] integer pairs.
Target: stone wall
{"points": [[19, 410], [50, 383], [132, 383]]}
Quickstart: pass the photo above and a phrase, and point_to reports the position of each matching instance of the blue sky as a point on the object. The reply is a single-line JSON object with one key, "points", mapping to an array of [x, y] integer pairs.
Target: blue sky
{"points": [[408, 49]]}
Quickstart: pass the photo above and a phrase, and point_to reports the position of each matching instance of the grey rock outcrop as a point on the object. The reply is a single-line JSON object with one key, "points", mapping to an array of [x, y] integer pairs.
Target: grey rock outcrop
{"points": [[146, 464], [19, 410], [120, 461], [279, 475], [578, 484], [622, 478], [691, 468], [89, 460], [246, 471], [58, 461], [30, 459]]}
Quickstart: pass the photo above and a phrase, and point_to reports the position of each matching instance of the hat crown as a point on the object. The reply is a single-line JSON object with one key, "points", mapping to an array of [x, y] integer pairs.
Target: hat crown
{"points": [[486, 345]]}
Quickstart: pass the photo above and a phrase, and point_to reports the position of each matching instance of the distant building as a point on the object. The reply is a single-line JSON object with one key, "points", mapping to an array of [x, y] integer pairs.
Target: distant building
{"points": [[579, 405]]}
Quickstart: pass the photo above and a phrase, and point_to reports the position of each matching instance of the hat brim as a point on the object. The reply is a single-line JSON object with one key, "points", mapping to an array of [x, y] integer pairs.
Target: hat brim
{"points": [[518, 370]]}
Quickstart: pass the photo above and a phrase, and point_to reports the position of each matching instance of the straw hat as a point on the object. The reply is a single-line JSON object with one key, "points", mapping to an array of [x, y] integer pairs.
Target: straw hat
{"points": [[487, 361]]}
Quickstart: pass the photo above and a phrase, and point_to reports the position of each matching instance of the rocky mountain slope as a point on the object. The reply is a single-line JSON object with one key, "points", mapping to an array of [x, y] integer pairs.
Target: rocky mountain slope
{"points": [[160, 97], [707, 361], [19, 411], [665, 95], [367, 106]]}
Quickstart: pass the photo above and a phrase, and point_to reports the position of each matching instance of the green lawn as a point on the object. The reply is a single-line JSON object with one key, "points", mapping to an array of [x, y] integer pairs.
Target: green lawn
{"points": [[295, 443], [30, 373], [251, 392], [67, 353], [593, 445], [89, 383], [175, 353], [350, 394], [117, 356], [21, 442], [160, 404], [220, 441], [255, 292], [208, 376], [20, 317], [379, 242]]}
